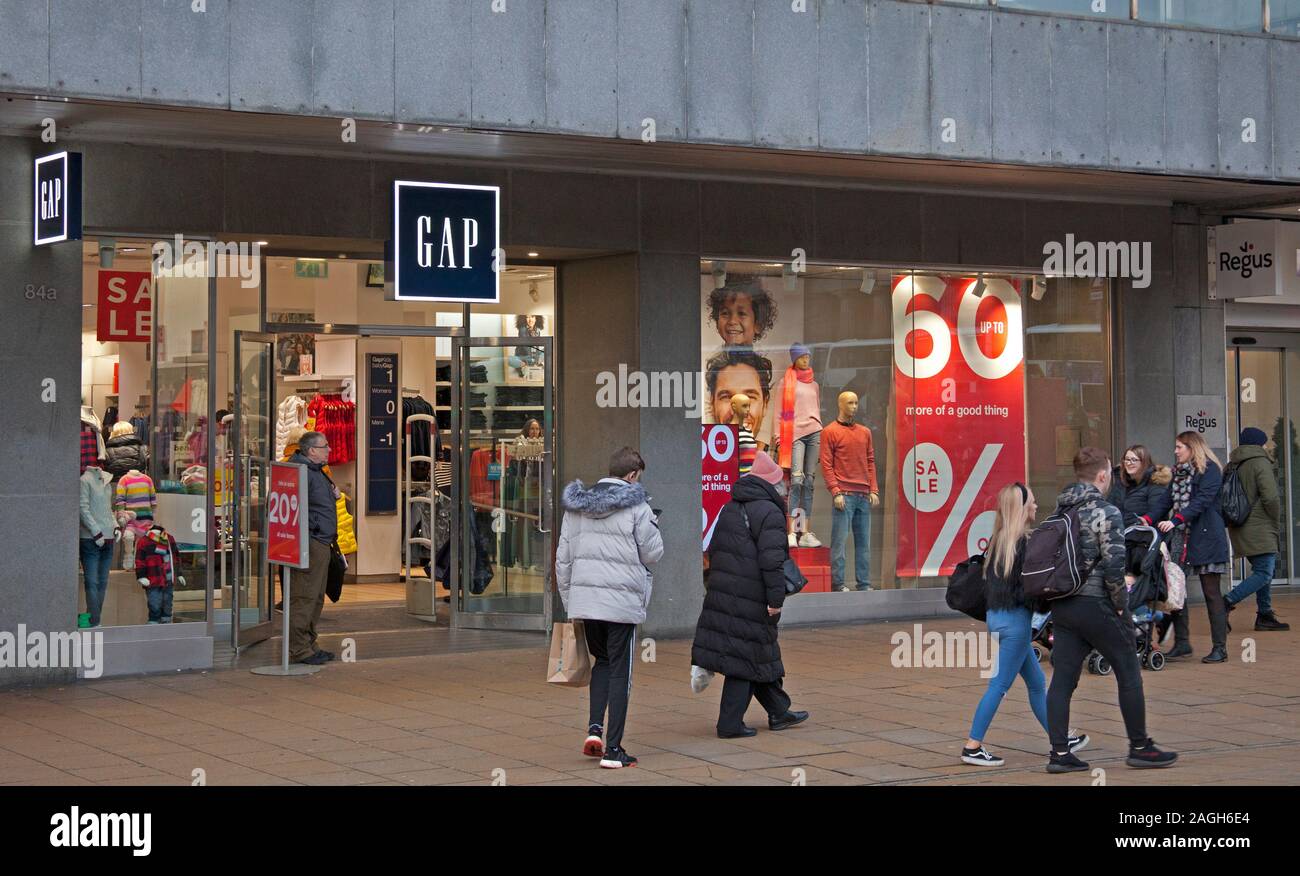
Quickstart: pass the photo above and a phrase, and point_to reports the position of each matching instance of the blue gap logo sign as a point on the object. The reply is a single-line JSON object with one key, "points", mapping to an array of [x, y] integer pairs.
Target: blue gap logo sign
{"points": [[444, 240]]}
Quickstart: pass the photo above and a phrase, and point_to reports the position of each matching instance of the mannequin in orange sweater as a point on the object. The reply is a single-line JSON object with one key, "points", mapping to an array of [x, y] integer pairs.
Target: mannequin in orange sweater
{"points": [[849, 464]]}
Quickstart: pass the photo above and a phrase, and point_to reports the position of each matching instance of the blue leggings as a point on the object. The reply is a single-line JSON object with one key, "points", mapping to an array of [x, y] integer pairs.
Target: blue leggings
{"points": [[1015, 657]]}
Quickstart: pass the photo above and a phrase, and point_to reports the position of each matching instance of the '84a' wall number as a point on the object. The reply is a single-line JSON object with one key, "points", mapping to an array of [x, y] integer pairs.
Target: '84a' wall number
{"points": [[45, 293]]}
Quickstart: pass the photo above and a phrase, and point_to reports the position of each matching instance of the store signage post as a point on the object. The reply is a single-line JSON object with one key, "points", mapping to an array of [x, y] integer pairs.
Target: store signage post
{"points": [[446, 240], [56, 202], [381, 419], [286, 546]]}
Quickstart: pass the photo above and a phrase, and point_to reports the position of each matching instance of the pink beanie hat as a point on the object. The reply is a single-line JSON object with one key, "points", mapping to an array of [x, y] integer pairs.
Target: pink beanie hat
{"points": [[766, 469]]}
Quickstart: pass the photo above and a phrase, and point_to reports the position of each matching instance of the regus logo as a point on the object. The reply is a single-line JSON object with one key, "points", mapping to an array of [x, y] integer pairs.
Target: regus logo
{"points": [[1247, 263]]}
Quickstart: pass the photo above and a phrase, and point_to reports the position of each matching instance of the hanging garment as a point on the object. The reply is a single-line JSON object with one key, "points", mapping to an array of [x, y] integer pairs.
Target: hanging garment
{"points": [[482, 574], [347, 534], [197, 442], [141, 425], [416, 440], [335, 419], [290, 414], [418, 526], [110, 418], [92, 445]]}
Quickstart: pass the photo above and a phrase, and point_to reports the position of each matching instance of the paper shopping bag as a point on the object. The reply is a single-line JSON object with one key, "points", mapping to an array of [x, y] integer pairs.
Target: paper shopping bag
{"points": [[570, 661]]}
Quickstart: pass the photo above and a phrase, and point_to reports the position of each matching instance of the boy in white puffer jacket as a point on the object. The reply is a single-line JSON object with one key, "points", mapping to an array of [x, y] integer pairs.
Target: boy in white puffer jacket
{"points": [[609, 539]]}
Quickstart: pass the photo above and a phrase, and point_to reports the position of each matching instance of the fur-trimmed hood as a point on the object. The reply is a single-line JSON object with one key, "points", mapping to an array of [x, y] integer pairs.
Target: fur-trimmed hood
{"points": [[1161, 475], [603, 498]]}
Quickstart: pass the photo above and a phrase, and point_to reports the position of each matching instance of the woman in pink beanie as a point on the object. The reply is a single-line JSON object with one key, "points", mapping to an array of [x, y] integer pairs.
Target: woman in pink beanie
{"points": [[736, 635]]}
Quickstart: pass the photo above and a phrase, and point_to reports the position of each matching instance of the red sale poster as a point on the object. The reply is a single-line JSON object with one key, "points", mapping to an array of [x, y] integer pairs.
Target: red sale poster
{"points": [[959, 390], [719, 469], [124, 306]]}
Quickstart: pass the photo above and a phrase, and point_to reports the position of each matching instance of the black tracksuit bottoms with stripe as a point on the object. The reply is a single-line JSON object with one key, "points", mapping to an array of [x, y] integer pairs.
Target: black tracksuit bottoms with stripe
{"points": [[611, 646]]}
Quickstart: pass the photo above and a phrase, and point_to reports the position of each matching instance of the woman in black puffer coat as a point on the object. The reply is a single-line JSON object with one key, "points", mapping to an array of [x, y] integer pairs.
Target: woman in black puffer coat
{"points": [[736, 635]]}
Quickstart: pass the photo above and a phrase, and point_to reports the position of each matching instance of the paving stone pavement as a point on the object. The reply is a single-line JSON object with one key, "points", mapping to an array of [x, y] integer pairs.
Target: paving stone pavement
{"points": [[457, 719]]}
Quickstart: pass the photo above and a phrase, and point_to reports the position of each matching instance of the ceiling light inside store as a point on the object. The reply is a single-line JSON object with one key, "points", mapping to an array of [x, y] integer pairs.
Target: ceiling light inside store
{"points": [[790, 278], [532, 292], [129, 249], [107, 251], [719, 275], [1038, 288], [980, 285], [532, 255], [261, 243], [868, 282]]}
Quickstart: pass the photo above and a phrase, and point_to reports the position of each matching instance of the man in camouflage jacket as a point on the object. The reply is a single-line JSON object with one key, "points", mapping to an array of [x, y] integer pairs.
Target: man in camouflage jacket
{"points": [[1096, 618], [1101, 541]]}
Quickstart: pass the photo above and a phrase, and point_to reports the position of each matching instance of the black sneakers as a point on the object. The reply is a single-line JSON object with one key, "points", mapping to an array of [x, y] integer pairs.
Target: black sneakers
{"points": [[328, 655], [789, 719], [1148, 756], [1180, 649], [1065, 763], [980, 757], [594, 745], [617, 758], [1077, 741], [316, 659]]}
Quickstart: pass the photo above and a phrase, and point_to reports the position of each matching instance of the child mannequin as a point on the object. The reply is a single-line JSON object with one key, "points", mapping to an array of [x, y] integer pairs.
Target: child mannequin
{"points": [[797, 431], [158, 563]]}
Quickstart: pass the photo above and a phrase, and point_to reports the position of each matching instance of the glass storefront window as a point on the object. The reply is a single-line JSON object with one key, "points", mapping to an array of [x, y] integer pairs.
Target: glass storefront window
{"points": [[145, 402], [1239, 15], [951, 380], [1090, 8], [1284, 17]]}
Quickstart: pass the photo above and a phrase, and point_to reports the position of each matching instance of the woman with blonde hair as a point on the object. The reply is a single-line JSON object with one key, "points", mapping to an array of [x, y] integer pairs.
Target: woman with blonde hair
{"points": [[1200, 538], [1009, 619]]}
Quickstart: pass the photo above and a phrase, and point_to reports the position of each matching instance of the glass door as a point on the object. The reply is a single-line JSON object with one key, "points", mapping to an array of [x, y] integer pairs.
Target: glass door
{"points": [[503, 441], [1266, 381], [252, 586]]}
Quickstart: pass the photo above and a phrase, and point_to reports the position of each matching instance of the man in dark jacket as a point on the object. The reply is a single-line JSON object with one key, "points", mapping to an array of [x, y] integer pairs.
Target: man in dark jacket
{"points": [[1096, 617], [1256, 539], [307, 589], [736, 632]]}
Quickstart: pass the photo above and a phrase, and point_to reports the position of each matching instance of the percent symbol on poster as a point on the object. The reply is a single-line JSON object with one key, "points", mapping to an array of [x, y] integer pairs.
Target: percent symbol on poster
{"points": [[960, 508]]}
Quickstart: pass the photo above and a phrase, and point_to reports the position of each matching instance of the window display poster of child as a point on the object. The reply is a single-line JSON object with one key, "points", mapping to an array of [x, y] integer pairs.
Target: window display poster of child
{"points": [[753, 312]]}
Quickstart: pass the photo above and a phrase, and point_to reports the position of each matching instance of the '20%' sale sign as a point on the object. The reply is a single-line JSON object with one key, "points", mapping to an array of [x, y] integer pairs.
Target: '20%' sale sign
{"points": [[959, 390]]}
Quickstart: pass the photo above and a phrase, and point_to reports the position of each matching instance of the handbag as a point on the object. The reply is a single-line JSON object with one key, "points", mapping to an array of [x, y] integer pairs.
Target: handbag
{"points": [[569, 663], [1175, 583], [966, 590], [334, 580], [790, 571]]}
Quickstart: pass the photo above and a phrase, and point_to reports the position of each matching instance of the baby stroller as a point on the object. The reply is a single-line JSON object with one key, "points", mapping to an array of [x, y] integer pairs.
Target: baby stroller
{"points": [[1146, 565], [1041, 639]]}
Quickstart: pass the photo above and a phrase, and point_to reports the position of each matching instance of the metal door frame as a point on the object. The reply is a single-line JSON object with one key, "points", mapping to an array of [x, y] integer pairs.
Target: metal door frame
{"points": [[460, 545], [1283, 343], [261, 631]]}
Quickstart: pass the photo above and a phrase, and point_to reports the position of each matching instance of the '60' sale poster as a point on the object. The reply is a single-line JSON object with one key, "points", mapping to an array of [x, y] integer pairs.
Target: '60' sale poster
{"points": [[959, 390]]}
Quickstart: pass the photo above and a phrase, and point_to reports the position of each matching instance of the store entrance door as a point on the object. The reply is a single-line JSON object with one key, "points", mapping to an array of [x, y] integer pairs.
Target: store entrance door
{"points": [[250, 588], [503, 429], [1264, 368]]}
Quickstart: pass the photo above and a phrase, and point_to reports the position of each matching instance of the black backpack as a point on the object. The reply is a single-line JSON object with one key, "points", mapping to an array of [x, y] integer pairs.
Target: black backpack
{"points": [[966, 590], [1054, 566], [1233, 502]]}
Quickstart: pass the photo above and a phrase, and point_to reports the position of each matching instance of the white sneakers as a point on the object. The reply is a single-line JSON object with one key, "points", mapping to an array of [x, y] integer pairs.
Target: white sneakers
{"points": [[809, 540], [793, 540]]}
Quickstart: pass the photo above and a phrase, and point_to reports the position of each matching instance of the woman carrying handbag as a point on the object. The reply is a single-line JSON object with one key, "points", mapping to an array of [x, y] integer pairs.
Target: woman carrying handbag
{"points": [[736, 635]]}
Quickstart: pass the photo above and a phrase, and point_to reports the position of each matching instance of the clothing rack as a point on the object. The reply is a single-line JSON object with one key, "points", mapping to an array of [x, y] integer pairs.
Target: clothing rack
{"points": [[411, 499]]}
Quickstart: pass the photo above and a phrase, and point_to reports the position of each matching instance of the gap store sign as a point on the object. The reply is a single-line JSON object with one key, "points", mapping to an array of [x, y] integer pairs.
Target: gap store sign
{"points": [[446, 239], [56, 198]]}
